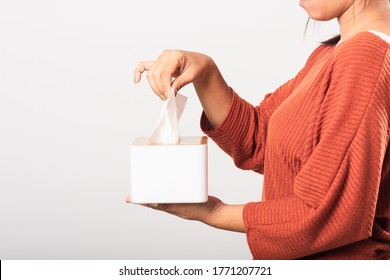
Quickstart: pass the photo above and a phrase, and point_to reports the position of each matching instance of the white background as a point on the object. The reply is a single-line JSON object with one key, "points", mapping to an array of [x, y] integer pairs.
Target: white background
{"points": [[69, 110]]}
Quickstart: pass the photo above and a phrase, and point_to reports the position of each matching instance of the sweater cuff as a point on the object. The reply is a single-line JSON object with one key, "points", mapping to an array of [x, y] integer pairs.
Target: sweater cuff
{"points": [[262, 221], [276, 211]]}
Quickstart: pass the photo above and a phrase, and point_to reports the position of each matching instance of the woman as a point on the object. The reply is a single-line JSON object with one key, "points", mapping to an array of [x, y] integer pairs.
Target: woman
{"points": [[321, 141]]}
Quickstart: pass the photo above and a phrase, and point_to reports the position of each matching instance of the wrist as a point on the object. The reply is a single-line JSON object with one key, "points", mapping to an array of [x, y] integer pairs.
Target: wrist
{"points": [[209, 75], [210, 210], [227, 217], [215, 215]]}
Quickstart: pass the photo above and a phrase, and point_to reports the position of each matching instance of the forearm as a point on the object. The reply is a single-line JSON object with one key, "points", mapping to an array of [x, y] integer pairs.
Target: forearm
{"points": [[213, 213], [227, 217], [214, 95]]}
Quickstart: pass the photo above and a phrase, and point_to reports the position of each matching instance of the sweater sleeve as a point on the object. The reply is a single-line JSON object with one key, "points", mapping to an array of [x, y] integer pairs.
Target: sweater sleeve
{"points": [[243, 133], [336, 190]]}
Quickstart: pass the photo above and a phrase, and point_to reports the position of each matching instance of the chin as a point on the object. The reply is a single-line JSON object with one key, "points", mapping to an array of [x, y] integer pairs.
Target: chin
{"points": [[323, 11], [319, 17]]}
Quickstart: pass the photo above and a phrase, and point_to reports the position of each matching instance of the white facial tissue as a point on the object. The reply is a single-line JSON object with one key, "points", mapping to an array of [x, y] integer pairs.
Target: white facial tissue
{"points": [[166, 131]]}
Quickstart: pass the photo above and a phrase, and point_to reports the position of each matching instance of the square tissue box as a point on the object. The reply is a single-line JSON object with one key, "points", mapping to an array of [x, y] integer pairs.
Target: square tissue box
{"points": [[169, 173]]}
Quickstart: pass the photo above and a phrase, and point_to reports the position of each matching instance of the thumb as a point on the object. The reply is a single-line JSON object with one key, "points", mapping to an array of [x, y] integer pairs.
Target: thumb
{"points": [[180, 82]]}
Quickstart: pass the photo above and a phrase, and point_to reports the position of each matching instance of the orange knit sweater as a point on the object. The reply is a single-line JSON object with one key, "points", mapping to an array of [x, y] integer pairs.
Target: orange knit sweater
{"points": [[321, 141]]}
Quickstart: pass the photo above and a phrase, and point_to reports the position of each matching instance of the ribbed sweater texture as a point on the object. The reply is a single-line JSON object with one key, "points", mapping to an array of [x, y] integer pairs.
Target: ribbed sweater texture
{"points": [[321, 142]]}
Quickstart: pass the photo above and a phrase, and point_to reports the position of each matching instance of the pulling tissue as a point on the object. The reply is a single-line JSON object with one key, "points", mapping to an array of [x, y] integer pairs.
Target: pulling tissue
{"points": [[166, 131], [167, 168]]}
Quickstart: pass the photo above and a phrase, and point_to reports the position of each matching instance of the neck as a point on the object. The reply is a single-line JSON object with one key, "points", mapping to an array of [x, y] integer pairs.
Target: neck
{"points": [[360, 17]]}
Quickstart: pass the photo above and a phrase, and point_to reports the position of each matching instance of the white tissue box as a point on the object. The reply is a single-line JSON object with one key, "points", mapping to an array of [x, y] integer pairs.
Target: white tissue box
{"points": [[169, 173]]}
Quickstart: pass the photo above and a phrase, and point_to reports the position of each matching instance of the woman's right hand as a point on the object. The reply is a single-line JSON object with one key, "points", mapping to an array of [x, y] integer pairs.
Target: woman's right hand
{"points": [[182, 66], [185, 67]]}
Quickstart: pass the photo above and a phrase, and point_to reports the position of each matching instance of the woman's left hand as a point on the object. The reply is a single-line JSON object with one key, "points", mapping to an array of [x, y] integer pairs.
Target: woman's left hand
{"points": [[213, 212], [191, 211]]}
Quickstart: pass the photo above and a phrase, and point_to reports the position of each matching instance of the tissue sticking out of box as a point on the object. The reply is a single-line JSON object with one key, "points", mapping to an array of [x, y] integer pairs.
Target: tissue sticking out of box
{"points": [[166, 131]]}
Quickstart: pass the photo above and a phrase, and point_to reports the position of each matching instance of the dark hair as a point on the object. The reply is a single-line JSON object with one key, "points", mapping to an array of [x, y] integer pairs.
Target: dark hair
{"points": [[332, 41]]}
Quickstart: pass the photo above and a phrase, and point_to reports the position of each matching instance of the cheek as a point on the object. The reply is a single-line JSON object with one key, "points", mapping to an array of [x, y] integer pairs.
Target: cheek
{"points": [[324, 10]]}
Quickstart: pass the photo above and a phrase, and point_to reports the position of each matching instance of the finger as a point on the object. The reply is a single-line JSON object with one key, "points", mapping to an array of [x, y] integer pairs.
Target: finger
{"points": [[151, 205], [142, 67], [128, 199], [180, 82], [166, 81], [166, 207], [153, 85], [158, 73]]}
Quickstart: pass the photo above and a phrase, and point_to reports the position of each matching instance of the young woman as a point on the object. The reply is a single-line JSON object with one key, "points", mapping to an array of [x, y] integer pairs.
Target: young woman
{"points": [[321, 141]]}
